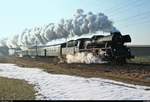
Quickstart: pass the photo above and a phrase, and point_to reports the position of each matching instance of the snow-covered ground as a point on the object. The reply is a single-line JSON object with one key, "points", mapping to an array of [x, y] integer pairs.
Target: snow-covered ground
{"points": [[64, 87]]}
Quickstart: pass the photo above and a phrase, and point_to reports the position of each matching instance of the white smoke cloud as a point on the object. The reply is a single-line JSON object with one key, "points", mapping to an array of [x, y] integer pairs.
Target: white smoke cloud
{"points": [[80, 24], [12, 41], [83, 57]]}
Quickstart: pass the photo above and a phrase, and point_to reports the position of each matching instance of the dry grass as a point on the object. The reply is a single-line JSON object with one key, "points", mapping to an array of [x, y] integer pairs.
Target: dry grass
{"points": [[12, 89], [130, 73]]}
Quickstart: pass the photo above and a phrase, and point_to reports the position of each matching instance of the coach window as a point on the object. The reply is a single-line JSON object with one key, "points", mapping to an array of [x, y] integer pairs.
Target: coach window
{"points": [[71, 44]]}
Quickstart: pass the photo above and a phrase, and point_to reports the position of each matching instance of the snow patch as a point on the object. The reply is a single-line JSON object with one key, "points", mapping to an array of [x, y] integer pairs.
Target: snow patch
{"points": [[64, 87]]}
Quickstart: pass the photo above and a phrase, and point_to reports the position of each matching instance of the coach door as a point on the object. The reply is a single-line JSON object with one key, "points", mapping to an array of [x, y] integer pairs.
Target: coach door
{"points": [[44, 52]]}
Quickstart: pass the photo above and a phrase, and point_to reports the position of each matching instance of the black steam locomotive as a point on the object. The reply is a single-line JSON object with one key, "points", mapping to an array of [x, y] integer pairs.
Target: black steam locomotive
{"points": [[109, 48]]}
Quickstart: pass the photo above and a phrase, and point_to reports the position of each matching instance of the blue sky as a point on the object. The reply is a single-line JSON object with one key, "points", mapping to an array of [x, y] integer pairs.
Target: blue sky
{"points": [[129, 16]]}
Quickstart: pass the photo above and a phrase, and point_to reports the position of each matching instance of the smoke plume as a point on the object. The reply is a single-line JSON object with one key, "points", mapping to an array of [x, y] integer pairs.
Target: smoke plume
{"points": [[79, 24]]}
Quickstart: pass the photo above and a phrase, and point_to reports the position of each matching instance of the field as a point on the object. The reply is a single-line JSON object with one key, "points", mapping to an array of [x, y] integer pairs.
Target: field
{"points": [[137, 71], [65, 87]]}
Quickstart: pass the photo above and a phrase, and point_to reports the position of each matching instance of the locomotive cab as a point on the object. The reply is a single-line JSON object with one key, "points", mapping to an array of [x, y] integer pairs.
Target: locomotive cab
{"points": [[83, 43]]}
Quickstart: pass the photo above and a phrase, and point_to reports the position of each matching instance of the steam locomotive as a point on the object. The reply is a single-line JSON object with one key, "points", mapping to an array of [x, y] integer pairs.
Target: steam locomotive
{"points": [[109, 48]]}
